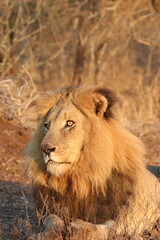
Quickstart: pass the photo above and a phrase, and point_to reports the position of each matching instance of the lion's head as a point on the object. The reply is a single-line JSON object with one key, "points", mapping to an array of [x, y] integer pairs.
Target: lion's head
{"points": [[68, 126], [78, 140]]}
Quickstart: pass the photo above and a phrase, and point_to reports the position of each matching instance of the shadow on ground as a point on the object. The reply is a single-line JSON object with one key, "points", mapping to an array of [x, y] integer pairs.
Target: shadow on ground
{"points": [[17, 212]]}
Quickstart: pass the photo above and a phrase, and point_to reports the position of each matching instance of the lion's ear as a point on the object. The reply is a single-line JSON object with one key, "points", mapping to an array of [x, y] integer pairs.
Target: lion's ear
{"points": [[104, 100], [42, 104], [100, 104]]}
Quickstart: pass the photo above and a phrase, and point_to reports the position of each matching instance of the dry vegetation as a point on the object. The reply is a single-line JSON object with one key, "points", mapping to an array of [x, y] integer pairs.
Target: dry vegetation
{"points": [[46, 44], [113, 43]]}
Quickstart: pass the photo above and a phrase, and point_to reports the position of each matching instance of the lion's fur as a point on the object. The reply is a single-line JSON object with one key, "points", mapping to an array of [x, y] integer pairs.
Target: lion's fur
{"points": [[110, 180]]}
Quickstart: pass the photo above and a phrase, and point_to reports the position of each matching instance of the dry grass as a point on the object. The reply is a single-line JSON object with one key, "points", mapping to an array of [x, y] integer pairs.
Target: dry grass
{"points": [[112, 43], [15, 96], [116, 43], [63, 229]]}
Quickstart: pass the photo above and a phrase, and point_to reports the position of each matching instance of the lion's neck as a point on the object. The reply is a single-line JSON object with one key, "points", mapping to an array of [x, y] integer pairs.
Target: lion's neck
{"points": [[77, 185], [95, 207]]}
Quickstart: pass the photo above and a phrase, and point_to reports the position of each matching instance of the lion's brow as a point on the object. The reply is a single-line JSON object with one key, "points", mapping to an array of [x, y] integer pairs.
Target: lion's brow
{"points": [[79, 108], [57, 114]]}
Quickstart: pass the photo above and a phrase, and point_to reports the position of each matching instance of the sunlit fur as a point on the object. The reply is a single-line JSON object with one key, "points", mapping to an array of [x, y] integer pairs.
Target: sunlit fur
{"points": [[109, 179]]}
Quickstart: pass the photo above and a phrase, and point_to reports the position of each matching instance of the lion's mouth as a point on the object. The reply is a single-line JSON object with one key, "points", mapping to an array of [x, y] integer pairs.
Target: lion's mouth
{"points": [[51, 161]]}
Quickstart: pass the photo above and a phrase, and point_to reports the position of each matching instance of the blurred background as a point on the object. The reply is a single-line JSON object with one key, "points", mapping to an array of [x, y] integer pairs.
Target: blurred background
{"points": [[45, 44]]}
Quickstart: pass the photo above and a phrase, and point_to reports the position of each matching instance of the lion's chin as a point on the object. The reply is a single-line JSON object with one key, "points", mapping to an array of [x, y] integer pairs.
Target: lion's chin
{"points": [[56, 169]]}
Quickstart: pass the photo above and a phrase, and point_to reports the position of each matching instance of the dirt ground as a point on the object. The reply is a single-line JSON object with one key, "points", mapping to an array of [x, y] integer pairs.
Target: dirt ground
{"points": [[16, 202], [17, 212]]}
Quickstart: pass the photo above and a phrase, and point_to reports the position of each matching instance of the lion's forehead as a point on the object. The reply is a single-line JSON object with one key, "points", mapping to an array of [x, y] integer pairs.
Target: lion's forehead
{"points": [[64, 110]]}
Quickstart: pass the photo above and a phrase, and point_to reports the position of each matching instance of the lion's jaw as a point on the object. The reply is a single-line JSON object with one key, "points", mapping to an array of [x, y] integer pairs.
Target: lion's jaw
{"points": [[58, 165], [67, 141], [55, 164]]}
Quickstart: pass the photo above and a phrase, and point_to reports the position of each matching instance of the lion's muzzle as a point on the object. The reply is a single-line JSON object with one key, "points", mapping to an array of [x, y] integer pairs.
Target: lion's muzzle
{"points": [[50, 156], [47, 149]]}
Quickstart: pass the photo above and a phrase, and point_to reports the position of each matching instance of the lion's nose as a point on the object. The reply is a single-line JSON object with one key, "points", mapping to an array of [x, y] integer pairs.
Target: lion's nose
{"points": [[47, 149]]}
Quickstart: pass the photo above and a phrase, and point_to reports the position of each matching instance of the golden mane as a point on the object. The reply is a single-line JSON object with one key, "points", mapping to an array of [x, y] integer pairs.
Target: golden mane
{"points": [[109, 169]]}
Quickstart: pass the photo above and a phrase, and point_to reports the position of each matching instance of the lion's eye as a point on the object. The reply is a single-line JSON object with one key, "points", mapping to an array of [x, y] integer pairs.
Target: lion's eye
{"points": [[46, 126], [70, 123]]}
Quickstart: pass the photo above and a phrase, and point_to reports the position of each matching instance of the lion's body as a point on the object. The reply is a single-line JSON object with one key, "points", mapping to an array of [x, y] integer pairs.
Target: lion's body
{"points": [[105, 178]]}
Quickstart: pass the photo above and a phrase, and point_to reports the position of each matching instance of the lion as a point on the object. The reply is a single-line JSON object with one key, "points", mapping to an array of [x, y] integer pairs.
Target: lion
{"points": [[81, 158]]}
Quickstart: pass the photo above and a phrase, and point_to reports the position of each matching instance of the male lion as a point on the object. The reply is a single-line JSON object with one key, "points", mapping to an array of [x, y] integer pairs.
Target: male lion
{"points": [[82, 159]]}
